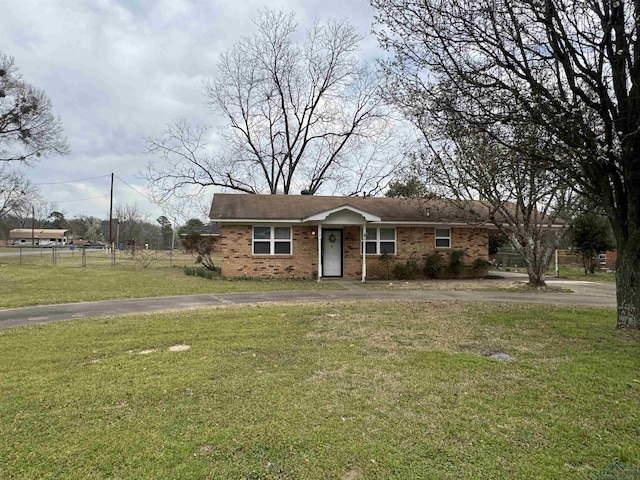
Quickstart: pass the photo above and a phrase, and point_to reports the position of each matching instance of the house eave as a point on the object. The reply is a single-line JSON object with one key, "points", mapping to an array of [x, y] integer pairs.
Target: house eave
{"points": [[251, 221], [312, 221]]}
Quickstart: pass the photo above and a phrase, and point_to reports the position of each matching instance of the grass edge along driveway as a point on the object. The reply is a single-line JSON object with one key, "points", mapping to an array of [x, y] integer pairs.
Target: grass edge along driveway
{"points": [[28, 285]]}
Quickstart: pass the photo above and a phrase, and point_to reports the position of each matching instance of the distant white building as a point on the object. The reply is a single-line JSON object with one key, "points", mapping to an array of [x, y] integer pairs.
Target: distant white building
{"points": [[39, 237]]}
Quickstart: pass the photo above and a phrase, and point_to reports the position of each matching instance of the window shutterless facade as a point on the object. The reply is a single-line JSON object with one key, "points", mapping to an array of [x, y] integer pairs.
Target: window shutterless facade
{"points": [[443, 238], [271, 240], [380, 240]]}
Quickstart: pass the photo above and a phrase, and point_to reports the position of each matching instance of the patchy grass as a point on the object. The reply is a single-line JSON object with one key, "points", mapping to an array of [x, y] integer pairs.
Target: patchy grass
{"points": [[24, 285], [440, 284], [520, 287], [498, 284], [350, 390]]}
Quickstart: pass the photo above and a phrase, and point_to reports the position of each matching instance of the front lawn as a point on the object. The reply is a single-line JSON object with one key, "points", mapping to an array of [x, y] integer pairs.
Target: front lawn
{"points": [[25, 285], [353, 390], [570, 273]]}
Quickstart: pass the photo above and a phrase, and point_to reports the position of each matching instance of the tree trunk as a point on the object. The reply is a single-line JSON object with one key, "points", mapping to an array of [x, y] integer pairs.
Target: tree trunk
{"points": [[537, 260], [537, 275], [628, 286]]}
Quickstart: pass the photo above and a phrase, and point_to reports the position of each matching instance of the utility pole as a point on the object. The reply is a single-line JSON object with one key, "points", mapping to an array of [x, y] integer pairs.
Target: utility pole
{"points": [[111, 249], [173, 234], [111, 214], [33, 226], [173, 242]]}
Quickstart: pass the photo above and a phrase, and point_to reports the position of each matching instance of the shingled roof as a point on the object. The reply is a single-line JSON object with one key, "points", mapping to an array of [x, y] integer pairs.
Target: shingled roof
{"points": [[211, 229], [297, 208]]}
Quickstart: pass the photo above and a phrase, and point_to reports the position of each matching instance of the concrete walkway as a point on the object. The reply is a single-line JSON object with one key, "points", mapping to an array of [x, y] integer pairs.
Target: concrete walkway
{"points": [[588, 294]]}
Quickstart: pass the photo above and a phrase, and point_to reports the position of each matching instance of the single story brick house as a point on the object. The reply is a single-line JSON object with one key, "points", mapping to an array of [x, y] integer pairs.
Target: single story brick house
{"points": [[309, 236]]}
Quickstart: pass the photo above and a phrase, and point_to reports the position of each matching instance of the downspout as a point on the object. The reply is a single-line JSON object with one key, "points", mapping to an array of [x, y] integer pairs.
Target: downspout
{"points": [[319, 252]]}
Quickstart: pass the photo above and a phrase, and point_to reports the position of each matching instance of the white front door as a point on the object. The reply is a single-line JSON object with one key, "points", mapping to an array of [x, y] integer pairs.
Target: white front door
{"points": [[331, 253]]}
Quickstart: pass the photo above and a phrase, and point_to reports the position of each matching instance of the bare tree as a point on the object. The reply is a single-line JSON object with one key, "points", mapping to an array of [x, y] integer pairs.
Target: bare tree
{"points": [[34, 211], [131, 221], [572, 70], [87, 228], [17, 193], [28, 128], [521, 196], [297, 116]]}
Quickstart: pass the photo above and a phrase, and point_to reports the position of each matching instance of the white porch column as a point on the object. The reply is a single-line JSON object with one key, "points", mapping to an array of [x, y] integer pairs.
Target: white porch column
{"points": [[319, 252], [363, 244]]}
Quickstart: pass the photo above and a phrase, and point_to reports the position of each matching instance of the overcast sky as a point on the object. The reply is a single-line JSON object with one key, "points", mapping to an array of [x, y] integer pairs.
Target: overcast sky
{"points": [[118, 71]]}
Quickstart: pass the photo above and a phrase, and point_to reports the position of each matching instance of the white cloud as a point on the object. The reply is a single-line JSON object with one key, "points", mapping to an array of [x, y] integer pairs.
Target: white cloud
{"points": [[119, 71]]}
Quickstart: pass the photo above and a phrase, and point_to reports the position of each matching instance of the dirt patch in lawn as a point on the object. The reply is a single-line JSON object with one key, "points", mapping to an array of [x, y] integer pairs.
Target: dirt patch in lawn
{"points": [[179, 348], [146, 351]]}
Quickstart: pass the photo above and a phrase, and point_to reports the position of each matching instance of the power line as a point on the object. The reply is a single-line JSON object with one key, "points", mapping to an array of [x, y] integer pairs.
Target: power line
{"points": [[72, 181], [146, 197], [135, 190]]}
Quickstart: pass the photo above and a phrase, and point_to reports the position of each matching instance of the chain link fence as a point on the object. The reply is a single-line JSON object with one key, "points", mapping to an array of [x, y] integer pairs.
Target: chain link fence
{"points": [[511, 260], [93, 257]]}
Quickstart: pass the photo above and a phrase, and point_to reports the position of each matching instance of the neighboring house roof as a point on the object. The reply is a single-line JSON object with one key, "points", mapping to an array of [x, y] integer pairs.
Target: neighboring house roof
{"points": [[228, 208], [17, 233], [209, 230]]}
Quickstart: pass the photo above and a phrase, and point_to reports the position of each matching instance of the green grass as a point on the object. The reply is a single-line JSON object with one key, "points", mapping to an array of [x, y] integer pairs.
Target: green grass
{"points": [[570, 273], [351, 390], [24, 285]]}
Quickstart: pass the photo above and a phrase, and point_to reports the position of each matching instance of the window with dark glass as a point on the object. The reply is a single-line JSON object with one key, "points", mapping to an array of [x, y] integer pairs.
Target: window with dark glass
{"points": [[443, 238], [272, 240], [381, 240]]}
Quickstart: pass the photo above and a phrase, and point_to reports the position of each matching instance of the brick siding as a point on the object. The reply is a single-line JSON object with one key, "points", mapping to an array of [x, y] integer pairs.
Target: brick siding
{"points": [[238, 260], [411, 243], [415, 243]]}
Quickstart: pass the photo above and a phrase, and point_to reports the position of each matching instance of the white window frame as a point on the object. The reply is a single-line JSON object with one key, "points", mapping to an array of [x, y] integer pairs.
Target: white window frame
{"points": [[272, 240], [378, 241], [436, 237]]}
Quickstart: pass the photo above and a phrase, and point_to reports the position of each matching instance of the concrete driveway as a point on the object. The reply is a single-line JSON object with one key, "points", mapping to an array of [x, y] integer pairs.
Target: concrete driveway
{"points": [[588, 294]]}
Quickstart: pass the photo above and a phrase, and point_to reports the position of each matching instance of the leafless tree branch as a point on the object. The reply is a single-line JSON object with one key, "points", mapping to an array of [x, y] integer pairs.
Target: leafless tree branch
{"points": [[295, 114], [28, 128]]}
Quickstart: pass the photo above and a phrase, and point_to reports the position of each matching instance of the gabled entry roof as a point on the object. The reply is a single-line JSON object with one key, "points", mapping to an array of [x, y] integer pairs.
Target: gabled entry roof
{"points": [[321, 216]]}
